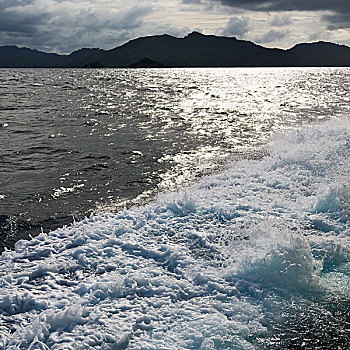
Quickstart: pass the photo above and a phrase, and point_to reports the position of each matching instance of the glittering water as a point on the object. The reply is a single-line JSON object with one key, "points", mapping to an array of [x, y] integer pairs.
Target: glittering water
{"points": [[251, 250], [79, 141]]}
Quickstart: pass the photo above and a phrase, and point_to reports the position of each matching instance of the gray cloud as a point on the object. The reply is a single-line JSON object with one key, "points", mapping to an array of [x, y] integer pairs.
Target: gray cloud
{"points": [[68, 25], [21, 19], [340, 8], [4, 4], [280, 20], [337, 21], [271, 36], [236, 26], [283, 5], [318, 35]]}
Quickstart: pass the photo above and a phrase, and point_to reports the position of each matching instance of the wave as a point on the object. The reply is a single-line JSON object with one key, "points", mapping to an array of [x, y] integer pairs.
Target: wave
{"points": [[248, 258]]}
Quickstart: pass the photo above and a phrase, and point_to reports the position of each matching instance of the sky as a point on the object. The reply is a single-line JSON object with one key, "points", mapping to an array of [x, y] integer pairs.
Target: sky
{"points": [[63, 26]]}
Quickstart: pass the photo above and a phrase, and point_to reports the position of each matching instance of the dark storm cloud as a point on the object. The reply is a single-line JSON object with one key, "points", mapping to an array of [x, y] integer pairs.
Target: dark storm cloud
{"points": [[284, 5], [337, 21], [16, 21], [66, 25], [340, 8]]}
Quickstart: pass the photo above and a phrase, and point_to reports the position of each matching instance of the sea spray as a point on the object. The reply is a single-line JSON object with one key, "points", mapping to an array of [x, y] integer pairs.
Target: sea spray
{"points": [[236, 261]]}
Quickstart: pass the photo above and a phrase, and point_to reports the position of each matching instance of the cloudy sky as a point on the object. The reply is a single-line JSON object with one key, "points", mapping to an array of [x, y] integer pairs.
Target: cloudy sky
{"points": [[66, 25]]}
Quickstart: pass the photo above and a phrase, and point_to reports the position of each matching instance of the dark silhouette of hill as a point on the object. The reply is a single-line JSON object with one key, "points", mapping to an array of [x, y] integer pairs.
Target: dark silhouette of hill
{"points": [[319, 54], [146, 63], [84, 58], [195, 50], [16, 57], [13, 56]]}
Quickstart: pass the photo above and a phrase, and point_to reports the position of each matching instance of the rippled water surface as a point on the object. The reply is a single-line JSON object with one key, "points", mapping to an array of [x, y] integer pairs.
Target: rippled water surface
{"points": [[79, 141], [220, 201]]}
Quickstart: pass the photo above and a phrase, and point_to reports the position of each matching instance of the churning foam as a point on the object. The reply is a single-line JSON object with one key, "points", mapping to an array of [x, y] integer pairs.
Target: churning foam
{"points": [[199, 269]]}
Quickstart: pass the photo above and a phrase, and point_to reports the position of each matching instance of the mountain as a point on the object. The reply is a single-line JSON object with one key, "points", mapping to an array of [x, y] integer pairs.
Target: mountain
{"points": [[83, 58], [194, 50], [21, 57], [319, 54], [13, 56]]}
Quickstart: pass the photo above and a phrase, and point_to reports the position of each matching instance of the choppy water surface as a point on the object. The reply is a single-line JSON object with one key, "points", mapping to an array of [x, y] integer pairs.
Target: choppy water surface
{"points": [[255, 256], [77, 141]]}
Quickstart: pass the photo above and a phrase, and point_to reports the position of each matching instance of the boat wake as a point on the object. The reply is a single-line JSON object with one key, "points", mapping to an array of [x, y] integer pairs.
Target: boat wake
{"points": [[254, 257]]}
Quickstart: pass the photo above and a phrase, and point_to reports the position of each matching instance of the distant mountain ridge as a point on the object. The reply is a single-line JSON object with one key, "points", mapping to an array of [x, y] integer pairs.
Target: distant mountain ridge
{"points": [[194, 50]]}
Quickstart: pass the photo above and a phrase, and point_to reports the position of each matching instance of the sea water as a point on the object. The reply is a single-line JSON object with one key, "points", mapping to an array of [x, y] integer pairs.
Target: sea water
{"points": [[225, 225], [76, 142]]}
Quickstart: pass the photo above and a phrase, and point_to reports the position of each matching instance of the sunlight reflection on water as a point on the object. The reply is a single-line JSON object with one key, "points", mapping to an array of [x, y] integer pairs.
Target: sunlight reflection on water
{"points": [[126, 135]]}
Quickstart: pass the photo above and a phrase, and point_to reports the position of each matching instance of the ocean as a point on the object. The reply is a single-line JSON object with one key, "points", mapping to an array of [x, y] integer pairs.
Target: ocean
{"points": [[175, 208]]}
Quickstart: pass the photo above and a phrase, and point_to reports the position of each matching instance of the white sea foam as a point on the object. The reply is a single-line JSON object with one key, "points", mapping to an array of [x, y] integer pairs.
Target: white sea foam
{"points": [[193, 270]]}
